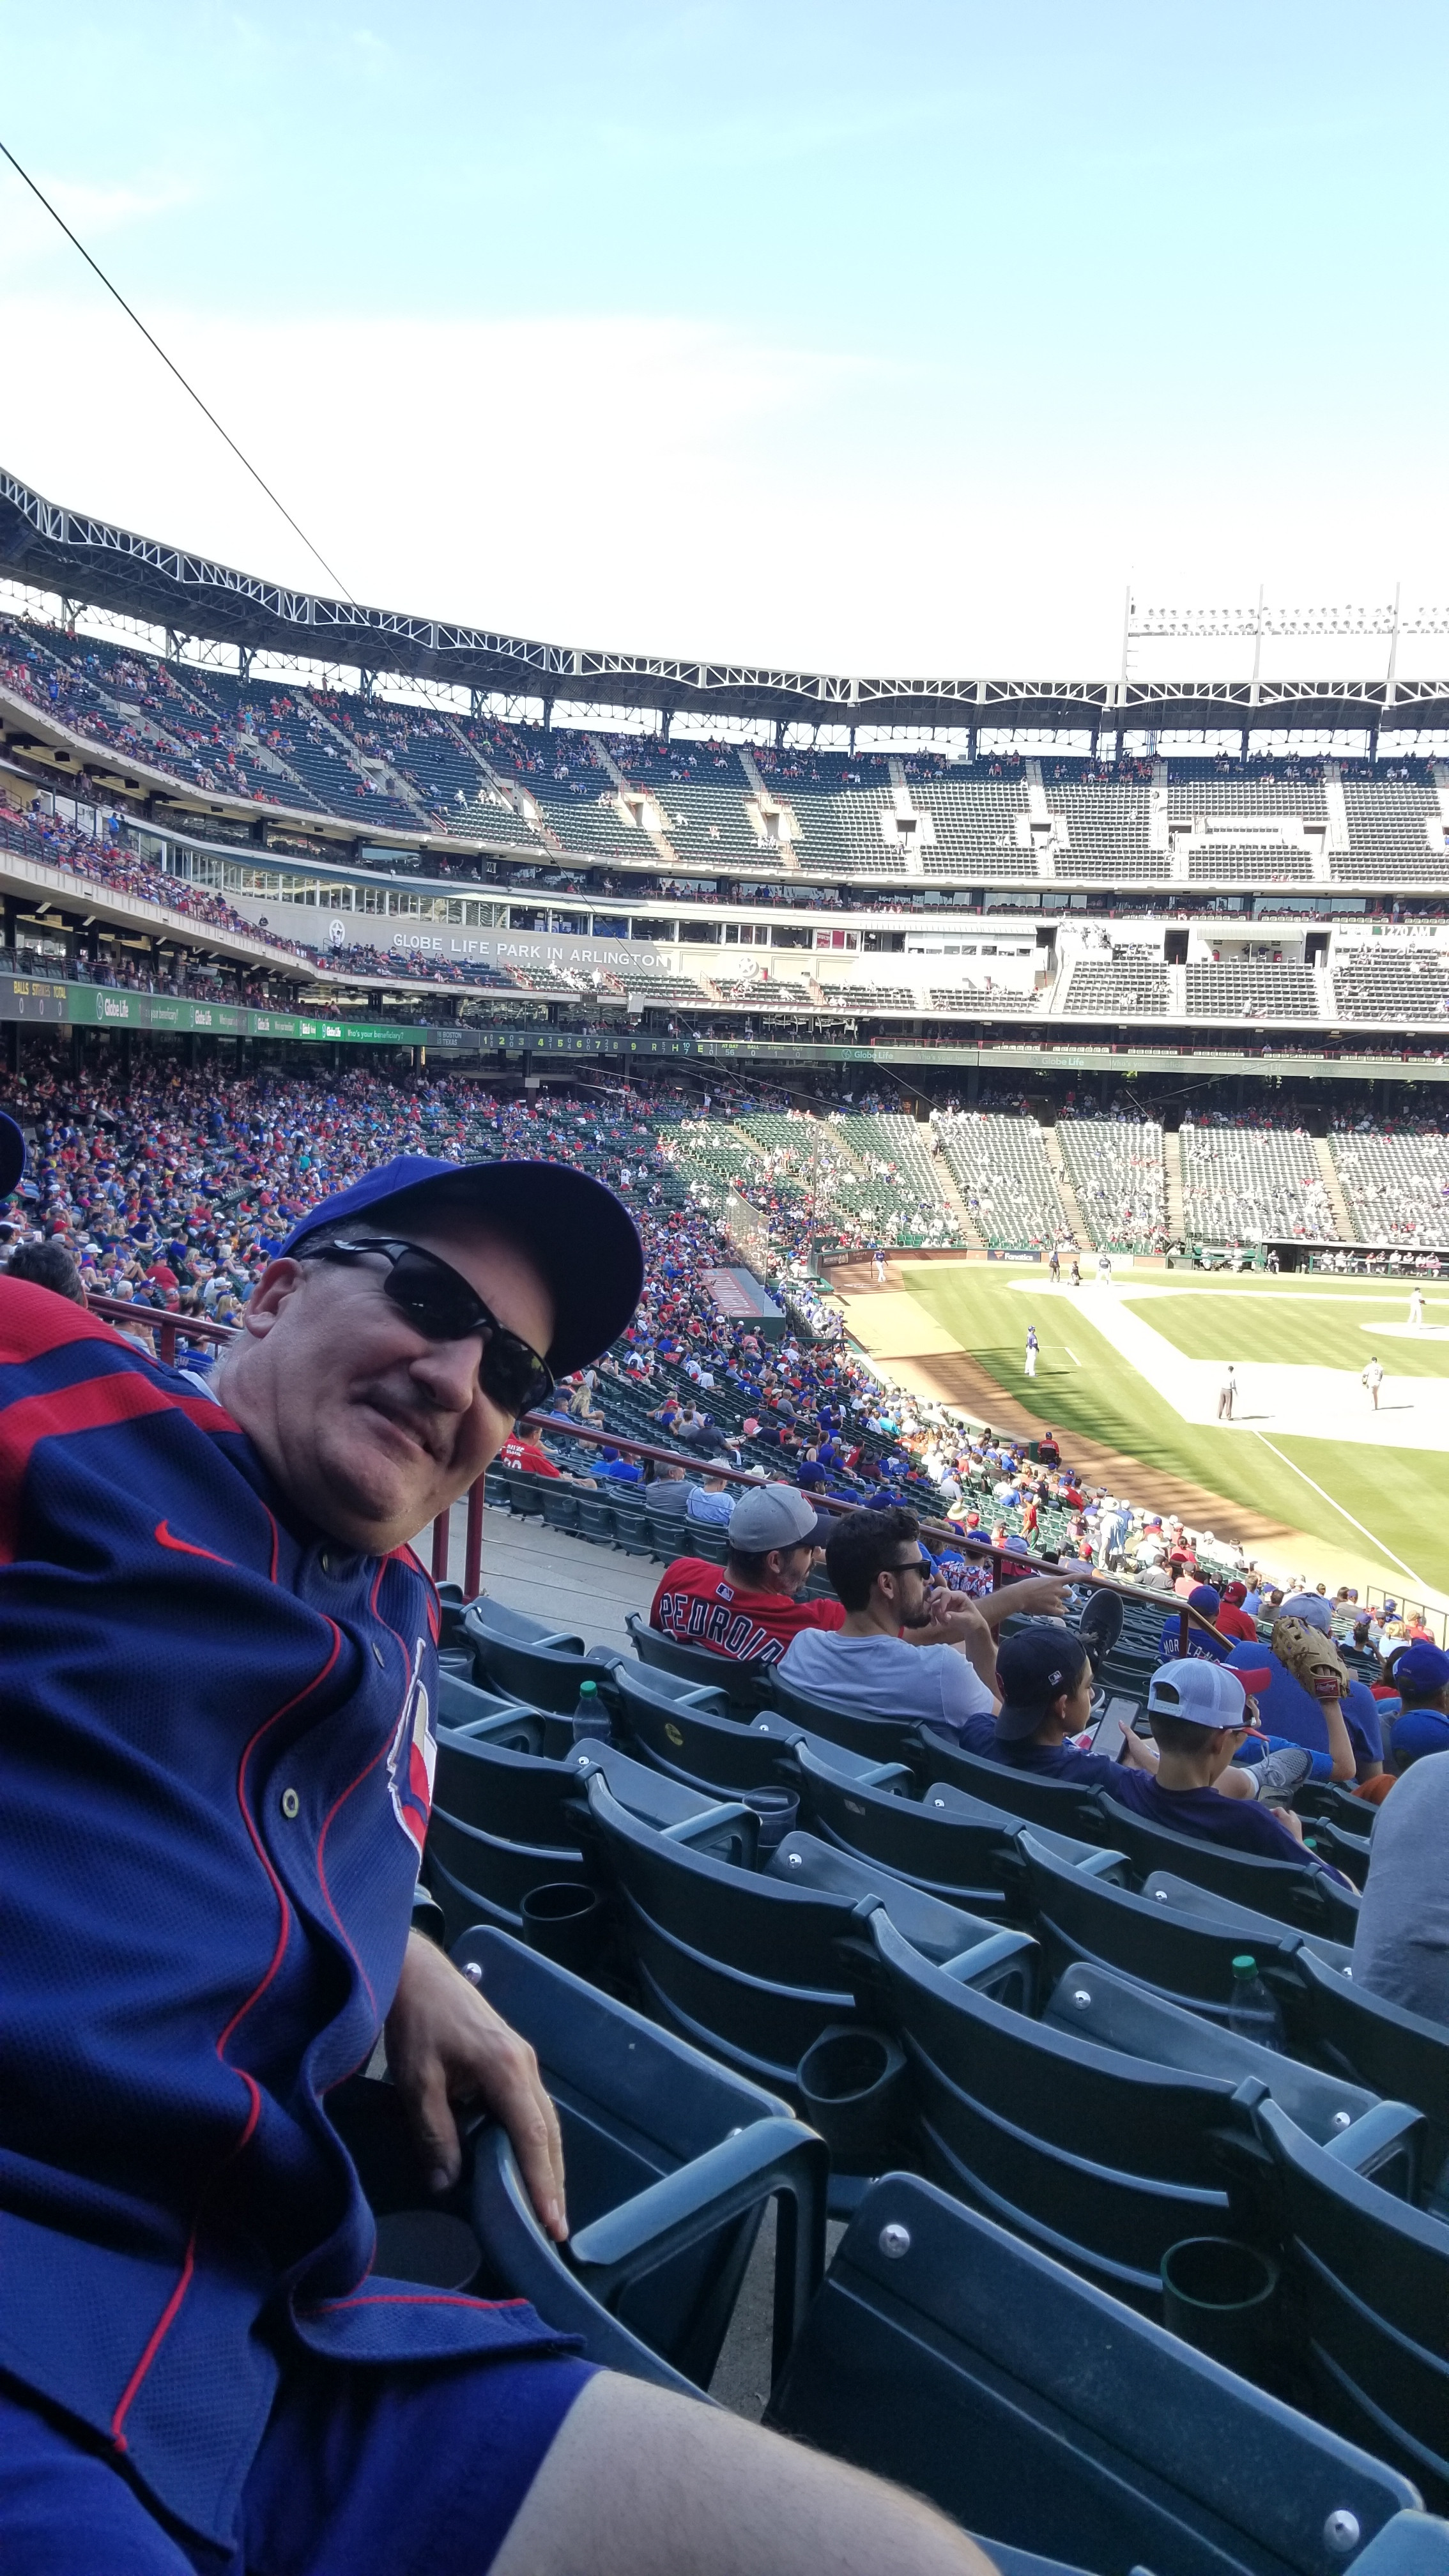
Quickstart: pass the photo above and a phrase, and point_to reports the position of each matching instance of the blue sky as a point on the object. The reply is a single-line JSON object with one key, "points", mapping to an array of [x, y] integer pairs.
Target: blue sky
{"points": [[874, 339]]}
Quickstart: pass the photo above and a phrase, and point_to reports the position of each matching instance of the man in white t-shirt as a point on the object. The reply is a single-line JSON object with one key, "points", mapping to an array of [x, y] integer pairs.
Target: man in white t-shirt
{"points": [[908, 1647], [1373, 1378]]}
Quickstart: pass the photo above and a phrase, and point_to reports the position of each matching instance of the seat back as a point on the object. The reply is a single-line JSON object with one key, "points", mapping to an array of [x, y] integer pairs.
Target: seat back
{"points": [[1113, 2011], [752, 1964], [507, 1820], [560, 1506], [744, 1684], [1277, 1887], [691, 1744], [1371, 2275], [1078, 1914], [949, 1844], [1046, 2416], [1061, 1805], [883, 1739], [1099, 2156], [1396, 2053], [546, 1675]]}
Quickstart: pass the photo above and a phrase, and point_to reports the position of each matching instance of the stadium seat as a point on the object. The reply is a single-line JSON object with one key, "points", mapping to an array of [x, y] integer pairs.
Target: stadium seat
{"points": [[1370, 2275], [751, 1962], [560, 1507], [595, 1520], [1277, 1887], [1047, 2417], [545, 1669], [698, 1744], [884, 1739], [1107, 2130], [1183, 1953], [951, 1845], [745, 1684], [1062, 1806], [508, 1811], [1396, 2053], [670, 2160]]}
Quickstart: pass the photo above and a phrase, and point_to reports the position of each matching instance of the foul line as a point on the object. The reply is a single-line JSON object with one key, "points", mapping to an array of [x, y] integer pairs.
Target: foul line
{"points": [[1071, 1354], [1336, 1506]]}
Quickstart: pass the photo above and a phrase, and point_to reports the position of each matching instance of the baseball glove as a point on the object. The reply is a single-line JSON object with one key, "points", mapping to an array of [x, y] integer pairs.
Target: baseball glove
{"points": [[1311, 1658]]}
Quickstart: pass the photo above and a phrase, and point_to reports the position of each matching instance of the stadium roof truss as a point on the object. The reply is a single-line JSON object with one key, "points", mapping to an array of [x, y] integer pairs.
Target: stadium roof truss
{"points": [[44, 544]]}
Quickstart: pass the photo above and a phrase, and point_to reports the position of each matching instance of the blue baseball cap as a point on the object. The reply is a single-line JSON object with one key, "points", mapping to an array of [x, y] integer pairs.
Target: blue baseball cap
{"points": [[12, 1155], [583, 1239], [1420, 1667], [1033, 1668]]}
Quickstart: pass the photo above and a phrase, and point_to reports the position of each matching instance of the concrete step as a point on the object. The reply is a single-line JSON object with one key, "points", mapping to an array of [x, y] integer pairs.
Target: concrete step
{"points": [[1172, 1165], [1343, 1222], [1076, 1224]]}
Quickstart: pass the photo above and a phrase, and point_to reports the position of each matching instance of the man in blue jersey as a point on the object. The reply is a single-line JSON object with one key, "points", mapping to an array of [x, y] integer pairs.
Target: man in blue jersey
{"points": [[1342, 1733], [220, 1664]]}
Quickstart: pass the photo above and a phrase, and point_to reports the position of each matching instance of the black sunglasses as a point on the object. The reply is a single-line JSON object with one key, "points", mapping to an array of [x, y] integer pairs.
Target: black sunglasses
{"points": [[442, 1305], [912, 1565]]}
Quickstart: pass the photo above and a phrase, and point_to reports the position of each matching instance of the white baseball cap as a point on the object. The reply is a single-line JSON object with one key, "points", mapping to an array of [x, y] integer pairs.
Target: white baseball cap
{"points": [[1206, 1694]]}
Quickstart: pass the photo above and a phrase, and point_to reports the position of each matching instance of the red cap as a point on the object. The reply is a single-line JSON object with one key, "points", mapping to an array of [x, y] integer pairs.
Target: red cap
{"points": [[1256, 1680]]}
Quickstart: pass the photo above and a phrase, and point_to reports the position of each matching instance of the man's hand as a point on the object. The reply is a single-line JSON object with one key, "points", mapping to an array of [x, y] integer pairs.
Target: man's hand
{"points": [[1036, 1596], [446, 2045]]}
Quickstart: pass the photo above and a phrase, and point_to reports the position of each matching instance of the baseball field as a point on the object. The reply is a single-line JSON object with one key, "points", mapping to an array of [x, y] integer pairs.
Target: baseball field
{"points": [[1306, 1473]]}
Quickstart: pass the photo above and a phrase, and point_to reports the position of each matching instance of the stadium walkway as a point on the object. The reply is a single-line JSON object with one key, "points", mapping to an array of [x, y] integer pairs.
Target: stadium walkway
{"points": [[544, 1572]]}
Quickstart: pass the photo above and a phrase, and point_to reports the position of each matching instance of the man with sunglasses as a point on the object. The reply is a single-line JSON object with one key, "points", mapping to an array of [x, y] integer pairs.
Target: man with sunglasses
{"points": [[220, 1660], [908, 1647]]}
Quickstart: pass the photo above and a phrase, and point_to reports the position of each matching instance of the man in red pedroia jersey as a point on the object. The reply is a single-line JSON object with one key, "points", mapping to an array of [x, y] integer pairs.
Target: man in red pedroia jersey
{"points": [[751, 1610]]}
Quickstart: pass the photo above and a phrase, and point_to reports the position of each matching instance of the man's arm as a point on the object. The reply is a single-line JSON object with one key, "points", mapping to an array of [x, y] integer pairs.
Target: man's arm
{"points": [[1036, 1596], [445, 2045]]}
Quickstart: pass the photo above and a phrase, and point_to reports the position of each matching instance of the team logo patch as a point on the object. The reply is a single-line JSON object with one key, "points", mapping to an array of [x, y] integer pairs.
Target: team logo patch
{"points": [[412, 1757]]}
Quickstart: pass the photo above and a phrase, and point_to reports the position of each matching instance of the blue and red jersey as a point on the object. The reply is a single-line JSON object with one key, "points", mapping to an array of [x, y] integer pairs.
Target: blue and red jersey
{"points": [[217, 1747]]}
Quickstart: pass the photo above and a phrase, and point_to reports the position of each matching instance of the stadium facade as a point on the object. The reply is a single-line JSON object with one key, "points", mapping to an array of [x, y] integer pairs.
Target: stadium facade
{"points": [[477, 865]]}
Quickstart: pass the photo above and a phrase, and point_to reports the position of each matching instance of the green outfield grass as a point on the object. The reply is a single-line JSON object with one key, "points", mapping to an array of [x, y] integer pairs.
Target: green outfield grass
{"points": [[1329, 1327], [1322, 1487]]}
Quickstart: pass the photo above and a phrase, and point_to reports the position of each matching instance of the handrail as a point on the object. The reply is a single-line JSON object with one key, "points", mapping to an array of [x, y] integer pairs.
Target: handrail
{"points": [[167, 1326], [163, 1321]]}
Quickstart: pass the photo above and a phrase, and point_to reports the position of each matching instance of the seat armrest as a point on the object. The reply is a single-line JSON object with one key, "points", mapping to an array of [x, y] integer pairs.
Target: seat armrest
{"points": [[774, 2155]]}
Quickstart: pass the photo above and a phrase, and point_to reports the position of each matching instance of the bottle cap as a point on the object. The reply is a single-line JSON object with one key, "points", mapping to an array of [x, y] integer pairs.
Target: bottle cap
{"points": [[1245, 1965]]}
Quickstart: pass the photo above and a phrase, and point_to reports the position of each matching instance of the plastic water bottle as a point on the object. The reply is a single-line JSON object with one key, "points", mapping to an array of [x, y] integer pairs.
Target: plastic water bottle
{"points": [[591, 1717], [1252, 2010]]}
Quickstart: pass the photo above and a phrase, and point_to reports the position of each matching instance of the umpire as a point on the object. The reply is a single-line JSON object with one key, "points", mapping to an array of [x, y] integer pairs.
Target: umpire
{"points": [[219, 1660]]}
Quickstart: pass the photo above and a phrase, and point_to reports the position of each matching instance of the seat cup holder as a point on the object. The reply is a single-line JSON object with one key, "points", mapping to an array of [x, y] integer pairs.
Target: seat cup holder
{"points": [[778, 1811], [563, 1920], [852, 2085], [1221, 2297]]}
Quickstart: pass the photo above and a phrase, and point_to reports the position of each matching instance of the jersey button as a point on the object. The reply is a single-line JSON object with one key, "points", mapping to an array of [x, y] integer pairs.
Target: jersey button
{"points": [[325, 1562], [291, 1803], [377, 1655]]}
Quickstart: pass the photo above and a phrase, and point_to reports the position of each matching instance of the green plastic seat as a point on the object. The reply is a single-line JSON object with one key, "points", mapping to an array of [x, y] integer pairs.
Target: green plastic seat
{"points": [[1047, 2417]]}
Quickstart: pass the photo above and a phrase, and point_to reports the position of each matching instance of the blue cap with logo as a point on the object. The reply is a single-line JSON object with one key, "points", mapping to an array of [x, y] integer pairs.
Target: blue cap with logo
{"points": [[582, 1238], [1033, 1668]]}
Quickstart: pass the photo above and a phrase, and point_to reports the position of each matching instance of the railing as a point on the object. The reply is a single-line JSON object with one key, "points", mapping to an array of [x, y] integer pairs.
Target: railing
{"points": [[1007, 1564]]}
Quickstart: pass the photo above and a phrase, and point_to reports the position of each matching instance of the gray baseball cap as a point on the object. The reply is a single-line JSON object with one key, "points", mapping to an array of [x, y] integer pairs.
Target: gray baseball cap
{"points": [[777, 1516]]}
